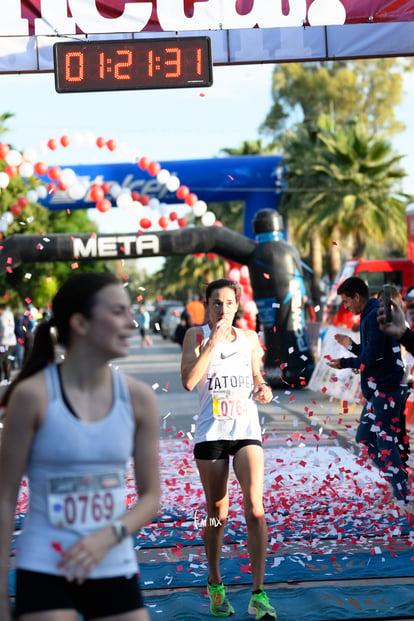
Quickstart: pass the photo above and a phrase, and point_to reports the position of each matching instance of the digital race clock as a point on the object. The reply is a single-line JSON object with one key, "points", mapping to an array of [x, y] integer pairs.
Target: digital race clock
{"points": [[132, 64]]}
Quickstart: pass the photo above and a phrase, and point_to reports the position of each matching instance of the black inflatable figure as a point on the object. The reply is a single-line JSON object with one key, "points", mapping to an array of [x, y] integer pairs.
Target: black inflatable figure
{"points": [[278, 289]]}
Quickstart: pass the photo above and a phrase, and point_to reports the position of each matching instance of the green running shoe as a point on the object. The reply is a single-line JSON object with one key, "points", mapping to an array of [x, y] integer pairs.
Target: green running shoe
{"points": [[219, 604], [260, 606]]}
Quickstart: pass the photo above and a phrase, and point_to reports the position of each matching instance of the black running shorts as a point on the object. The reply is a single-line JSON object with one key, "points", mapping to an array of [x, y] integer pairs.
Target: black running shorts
{"points": [[101, 597], [221, 449]]}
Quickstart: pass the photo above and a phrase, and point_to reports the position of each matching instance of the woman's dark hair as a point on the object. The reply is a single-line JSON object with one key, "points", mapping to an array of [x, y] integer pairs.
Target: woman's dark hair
{"points": [[222, 283], [76, 295]]}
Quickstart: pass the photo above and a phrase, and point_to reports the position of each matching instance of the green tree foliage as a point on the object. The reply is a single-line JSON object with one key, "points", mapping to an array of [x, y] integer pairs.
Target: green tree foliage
{"points": [[367, 90], [344, 184]]}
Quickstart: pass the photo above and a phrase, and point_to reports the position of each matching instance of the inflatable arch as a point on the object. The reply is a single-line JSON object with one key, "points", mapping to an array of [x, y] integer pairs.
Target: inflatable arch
{"points": [[274, 268]]}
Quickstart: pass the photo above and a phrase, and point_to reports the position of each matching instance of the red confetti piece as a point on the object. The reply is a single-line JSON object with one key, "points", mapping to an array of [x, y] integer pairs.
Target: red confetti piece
{"points": [[57, 546]]}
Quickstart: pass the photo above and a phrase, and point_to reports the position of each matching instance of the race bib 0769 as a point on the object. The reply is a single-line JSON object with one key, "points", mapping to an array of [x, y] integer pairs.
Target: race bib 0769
{"points": [[86, 502]]}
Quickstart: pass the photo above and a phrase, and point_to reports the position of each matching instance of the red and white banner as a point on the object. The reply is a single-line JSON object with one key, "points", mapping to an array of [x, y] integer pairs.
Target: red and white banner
{"points": [[99, 16], [242, 31]]}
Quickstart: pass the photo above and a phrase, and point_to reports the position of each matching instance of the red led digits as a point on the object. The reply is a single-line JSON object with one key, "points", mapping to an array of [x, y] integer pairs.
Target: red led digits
{"points": [[74, 72], [173, 61], [120, 67], [132, 64]]}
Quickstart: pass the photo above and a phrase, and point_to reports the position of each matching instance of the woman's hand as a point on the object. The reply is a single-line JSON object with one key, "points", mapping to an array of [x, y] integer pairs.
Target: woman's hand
{"points": [[263, 393], [79, 560]]}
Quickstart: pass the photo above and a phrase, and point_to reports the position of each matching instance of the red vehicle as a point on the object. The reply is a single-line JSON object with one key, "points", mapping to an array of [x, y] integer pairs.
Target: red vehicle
{"points": [[376, 273]]}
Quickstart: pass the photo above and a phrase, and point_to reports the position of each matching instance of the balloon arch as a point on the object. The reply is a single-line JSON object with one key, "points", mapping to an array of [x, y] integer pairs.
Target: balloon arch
{"points": [[268, 269]]}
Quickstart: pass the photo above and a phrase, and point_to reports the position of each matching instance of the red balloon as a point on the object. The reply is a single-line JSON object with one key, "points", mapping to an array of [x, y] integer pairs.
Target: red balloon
{"points": [[40, 168], [182, 222], [106, 187], [16, 209], [182, 192], [100, 142], [65, 141], [11, 170], [144, 200], [52, 144], [145, 223], [4, 149], [103, 205], [55, 173], [163, 222], [191, 200], [135, 195], [144, 162], [51, 188], [22, 201], [199, 255], [154, 168], [96, 193], [111, 144], [62, 186], [173, 216], [211, 256]]}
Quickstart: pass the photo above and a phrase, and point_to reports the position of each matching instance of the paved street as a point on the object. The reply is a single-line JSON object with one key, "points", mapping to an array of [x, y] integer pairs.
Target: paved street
{"points": [[293, 414]]}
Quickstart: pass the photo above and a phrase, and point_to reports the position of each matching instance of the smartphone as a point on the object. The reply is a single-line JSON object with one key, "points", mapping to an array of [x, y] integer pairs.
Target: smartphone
{"points": [[386, 300]]}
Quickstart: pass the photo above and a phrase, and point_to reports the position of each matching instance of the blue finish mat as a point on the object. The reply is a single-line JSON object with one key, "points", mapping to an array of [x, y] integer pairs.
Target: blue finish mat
{"points": [[308, 603], [288, 568]]}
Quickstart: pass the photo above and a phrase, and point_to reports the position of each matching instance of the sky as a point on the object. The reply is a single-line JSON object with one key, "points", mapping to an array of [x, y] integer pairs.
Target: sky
{"points": [[168, 124]]}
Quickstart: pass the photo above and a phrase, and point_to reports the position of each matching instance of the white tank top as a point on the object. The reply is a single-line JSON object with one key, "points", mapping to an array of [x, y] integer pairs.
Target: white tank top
{"points": [[227, 407], [76, 477]]}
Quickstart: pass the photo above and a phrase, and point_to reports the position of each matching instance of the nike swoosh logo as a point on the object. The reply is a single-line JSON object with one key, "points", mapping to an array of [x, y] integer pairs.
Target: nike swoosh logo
{"points": [[224, 356]]}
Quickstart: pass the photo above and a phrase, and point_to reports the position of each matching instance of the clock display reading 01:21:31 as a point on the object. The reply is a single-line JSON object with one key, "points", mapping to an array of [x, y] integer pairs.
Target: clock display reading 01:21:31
{"points": [[132, 64]]}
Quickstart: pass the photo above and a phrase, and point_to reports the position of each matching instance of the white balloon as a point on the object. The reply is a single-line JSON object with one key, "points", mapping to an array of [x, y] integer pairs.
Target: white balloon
{"points": [[124, 200], [173, 183], [77, 191], [32, 196], [8, 217], [30, 154], [250, 307], [115, 190], [68, 177], [41, 191], [163, 209], [89, 139], [14, 158], [77, 139], [134, 155], [199, 208], [163, 176], [3, 225], [4, 180], [244, 271], [208, 219], [26, 169], [122, 149], [154, 203], [234, 274]]}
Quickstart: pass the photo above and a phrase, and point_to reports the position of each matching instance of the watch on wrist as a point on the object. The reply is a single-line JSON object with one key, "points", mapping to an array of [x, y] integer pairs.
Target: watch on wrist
{"points": [[120, 530]]}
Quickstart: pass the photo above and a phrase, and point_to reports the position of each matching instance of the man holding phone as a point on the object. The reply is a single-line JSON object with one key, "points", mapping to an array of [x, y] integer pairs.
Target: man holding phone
{"points": [[378, 358]]}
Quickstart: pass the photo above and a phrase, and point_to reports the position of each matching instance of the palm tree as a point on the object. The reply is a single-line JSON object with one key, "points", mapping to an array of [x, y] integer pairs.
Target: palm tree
{"points": [[343, 189]]}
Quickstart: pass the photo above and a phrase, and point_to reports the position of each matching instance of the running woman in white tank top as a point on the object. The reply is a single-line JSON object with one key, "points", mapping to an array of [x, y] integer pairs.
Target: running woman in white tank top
{"points": [[223, 362], [73, 429]]}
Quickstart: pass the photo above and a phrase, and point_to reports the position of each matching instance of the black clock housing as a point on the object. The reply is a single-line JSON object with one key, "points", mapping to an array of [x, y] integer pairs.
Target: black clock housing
{"points": [[134, 64]]}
